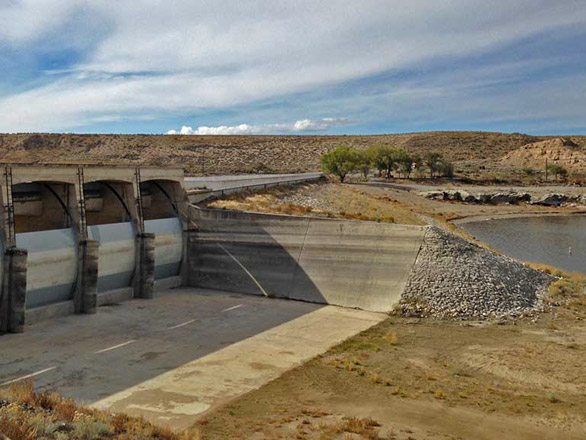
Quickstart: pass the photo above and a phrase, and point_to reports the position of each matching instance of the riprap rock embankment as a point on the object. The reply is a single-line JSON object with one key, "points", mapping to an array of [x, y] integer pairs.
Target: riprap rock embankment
{"points": [[452, 277]]}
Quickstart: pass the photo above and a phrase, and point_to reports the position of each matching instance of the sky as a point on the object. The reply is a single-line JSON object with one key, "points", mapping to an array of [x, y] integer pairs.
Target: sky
{"points": [[292, 66]]}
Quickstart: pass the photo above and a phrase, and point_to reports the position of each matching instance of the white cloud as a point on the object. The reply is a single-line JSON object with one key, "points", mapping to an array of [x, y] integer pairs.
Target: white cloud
{"points": [[304, 125], [196, 55], [27, 20]]}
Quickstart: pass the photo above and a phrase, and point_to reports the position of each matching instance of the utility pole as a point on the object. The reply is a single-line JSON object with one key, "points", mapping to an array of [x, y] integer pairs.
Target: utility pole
{"points": [[546, 169]]}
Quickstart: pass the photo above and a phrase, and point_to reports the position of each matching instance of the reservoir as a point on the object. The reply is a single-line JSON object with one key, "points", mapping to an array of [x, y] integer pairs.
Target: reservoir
{"points": [[545, 240]]}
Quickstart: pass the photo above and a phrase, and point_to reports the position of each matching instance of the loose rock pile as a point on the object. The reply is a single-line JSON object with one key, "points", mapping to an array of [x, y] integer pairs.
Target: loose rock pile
{"points": [[314, 196], [512, 197], [559, 200], [453, 278]]}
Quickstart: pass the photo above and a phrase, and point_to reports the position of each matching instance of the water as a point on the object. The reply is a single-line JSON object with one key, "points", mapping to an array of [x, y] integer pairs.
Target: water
{"points": [[543, 240]]}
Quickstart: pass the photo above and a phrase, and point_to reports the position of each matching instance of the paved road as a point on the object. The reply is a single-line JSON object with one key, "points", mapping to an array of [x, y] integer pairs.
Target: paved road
{"points": [[243, 180], [176, 356]]}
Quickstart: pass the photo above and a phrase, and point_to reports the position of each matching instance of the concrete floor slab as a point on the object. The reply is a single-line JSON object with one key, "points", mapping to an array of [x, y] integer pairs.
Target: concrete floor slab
{"points": [[172, 358]]}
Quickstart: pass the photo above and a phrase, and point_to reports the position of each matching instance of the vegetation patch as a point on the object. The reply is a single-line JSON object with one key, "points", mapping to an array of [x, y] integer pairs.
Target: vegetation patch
{"points": [[29, 415], [322, 200]]}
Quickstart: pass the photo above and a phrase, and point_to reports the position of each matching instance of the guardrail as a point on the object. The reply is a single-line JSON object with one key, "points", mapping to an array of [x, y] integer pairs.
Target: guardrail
{"points": [[198, 196]]}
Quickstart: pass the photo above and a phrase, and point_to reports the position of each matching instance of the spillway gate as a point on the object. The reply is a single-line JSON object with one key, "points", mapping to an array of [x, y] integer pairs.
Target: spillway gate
{"points": [[76, 237]]}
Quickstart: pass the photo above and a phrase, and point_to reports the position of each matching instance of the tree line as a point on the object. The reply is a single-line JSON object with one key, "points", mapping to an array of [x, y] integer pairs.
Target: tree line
{"points": [[387, 160]]}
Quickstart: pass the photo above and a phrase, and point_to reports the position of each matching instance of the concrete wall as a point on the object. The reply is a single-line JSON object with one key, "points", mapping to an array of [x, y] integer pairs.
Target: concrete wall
{"points": [[40, 209], [223, 182], [219, 186], [348, 263]]}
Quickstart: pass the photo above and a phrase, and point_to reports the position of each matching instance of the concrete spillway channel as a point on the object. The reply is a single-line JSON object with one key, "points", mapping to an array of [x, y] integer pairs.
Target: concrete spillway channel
{"points": [[75, 237]]}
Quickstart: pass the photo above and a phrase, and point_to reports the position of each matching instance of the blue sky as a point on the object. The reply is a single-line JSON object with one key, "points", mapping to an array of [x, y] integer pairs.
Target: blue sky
{"points": [[294, 67]]}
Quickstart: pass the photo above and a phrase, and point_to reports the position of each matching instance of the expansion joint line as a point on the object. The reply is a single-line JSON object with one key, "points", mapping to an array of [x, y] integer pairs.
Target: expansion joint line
{"points": [[421, 245], [303, 244], [245, 270]]}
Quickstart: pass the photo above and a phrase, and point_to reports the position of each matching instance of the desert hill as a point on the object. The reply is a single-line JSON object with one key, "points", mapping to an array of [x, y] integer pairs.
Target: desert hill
{"points": [[560, 151], [234, 154]]}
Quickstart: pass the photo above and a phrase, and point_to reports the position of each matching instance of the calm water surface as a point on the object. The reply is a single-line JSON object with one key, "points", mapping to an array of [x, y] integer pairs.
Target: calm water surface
{"points": [[537, 239]]}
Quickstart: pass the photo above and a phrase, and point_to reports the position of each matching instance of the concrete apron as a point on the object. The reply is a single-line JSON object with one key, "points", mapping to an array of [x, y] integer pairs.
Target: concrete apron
{"points": [[175, 357], [178, 398]]}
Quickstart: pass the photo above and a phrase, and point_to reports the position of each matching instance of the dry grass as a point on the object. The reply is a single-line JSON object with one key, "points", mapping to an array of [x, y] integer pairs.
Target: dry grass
{"points": [[552, 270], [392, 338], [342, 201], [265, 203], [354, 203], [29, 415]]}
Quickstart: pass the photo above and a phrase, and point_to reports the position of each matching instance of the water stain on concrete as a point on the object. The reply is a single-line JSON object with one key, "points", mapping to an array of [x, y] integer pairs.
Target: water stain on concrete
{"points": [[150, 355], [261, 366]]}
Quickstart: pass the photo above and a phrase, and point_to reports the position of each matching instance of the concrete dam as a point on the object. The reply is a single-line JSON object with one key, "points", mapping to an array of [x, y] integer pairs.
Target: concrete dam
{"points": [[77, 237], [348, 263]]}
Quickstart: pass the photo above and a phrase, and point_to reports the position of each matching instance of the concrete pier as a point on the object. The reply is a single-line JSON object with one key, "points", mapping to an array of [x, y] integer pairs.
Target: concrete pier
{"points": [[75, 237], [145, 271], [13, 295], [85, 298]]}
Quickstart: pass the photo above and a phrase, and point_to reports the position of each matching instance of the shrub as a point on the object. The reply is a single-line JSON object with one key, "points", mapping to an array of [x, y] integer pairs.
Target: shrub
{"points": [[87, 428], [392, 338], [558, 171]]}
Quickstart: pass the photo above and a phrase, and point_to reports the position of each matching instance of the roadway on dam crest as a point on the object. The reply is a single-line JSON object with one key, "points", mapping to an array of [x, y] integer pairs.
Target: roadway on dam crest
{"points": [[172, 358]]}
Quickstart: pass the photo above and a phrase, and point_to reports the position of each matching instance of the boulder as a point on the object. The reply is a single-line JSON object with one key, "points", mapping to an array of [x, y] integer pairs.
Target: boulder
{"points": [[511, 197], [556, 199], [434, 195], [484, 197]]}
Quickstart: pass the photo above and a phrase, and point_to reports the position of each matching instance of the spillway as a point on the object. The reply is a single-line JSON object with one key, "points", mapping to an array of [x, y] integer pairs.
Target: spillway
{"points": [[51, 265], [76, 237]]}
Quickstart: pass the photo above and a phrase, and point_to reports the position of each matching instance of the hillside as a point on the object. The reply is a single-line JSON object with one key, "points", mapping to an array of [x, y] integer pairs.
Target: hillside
{"points": [[560, 151], [234, 154]]}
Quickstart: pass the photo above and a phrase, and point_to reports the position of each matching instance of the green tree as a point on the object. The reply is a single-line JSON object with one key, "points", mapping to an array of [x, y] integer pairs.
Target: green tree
{"points": [[446, 168], [365, 162], [341, 161], [433, 161], [386, 158], [403, 161], [381, 158]]}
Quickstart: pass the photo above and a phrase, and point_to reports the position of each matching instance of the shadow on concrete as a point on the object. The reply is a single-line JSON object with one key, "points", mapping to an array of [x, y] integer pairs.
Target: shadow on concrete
{"points": [[232, 256], [160, 340], [237, 253]]}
